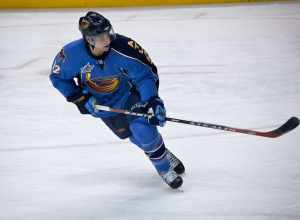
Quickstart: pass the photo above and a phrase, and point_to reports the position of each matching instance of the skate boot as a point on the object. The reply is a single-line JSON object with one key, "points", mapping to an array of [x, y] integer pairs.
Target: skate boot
{"points": [[175, 163], [172, 179], [165, 164]]}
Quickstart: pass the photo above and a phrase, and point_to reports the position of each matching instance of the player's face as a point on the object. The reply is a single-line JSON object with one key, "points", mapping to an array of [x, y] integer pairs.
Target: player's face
{"points": [[100, 42]]}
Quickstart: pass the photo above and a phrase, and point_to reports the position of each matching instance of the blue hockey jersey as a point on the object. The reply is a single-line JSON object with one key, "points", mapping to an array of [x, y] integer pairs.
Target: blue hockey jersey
{"points": [[109, 78]]}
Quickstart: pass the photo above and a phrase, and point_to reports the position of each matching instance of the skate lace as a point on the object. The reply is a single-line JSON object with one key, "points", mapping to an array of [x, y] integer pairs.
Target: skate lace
{"points": [[173, 160]]}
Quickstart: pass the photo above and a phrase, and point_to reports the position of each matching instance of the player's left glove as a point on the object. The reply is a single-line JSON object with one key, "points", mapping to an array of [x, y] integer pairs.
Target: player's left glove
{"points": [[85, 104], [90, 106], [154, 106]]}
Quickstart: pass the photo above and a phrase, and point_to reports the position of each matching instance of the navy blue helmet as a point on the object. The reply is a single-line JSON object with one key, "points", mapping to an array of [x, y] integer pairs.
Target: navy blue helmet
{"points": [[93, 24]]}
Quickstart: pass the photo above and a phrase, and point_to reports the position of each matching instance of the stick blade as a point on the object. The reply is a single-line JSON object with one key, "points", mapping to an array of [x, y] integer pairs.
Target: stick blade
{"points": [[291, 124]]}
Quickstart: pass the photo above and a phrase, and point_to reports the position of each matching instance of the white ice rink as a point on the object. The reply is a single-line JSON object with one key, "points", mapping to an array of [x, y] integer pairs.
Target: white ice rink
{"points": [[233, 65]]}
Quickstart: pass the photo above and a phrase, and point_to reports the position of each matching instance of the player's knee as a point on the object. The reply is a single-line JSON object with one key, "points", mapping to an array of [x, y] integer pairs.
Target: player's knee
{"points": [[143, 132], [151, 145]]}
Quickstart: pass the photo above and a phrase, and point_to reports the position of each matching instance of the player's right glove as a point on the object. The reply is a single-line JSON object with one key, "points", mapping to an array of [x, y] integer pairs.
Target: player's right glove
{"points": [[80, 101], [154, 106]]}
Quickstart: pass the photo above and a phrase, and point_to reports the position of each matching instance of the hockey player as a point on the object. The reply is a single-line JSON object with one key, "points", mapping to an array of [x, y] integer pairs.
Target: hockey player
{"points": [[110, 69]]}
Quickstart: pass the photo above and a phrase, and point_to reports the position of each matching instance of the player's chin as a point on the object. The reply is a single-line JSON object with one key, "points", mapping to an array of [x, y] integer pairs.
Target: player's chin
{"points": [[106, 48]]}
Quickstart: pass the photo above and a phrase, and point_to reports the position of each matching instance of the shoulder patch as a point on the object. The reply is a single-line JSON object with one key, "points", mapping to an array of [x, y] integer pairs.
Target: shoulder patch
{"points": [[55, 68], [59, 59], [61, 56]]}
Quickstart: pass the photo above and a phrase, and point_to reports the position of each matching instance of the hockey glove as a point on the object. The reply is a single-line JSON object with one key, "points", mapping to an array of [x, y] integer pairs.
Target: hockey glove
{"points": [[154, 106], [90, 106], [80, 100]]}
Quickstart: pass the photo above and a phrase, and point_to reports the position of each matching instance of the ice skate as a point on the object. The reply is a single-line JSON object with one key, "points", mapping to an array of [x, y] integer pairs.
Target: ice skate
{"points": [[175, 163], [172, 179]]}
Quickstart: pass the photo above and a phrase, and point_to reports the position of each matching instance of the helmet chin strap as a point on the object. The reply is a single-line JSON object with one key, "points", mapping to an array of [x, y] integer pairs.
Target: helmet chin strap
{"points": [[92, 47], [94, 52]]}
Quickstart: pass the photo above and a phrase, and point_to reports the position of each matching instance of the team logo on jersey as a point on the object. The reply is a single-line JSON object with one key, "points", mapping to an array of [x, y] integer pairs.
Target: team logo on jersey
{"points": [[101, 85], [104, 85]]}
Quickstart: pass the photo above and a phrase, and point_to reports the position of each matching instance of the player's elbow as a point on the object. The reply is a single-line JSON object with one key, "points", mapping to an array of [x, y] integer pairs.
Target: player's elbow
{"points": [[54, 79]]}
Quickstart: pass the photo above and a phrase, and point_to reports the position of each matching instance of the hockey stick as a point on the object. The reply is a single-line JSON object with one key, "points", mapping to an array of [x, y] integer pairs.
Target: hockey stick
{"points": [[289, 125]]}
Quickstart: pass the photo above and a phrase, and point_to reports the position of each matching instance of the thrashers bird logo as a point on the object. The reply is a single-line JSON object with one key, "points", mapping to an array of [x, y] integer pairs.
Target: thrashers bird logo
{"points": [[101, 85], [104, 85]]}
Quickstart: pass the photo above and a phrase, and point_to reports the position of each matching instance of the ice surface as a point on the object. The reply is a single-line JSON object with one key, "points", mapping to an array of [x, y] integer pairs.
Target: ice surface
{"points": [[232, 65]]}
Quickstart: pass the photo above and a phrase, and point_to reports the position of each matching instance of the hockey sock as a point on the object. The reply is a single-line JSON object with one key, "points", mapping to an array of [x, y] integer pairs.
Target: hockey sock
{"points": [[158, 158]]}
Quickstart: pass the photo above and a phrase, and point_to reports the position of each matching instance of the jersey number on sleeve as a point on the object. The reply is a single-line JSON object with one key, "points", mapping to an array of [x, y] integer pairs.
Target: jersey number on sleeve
{"points": [[143, 52]]}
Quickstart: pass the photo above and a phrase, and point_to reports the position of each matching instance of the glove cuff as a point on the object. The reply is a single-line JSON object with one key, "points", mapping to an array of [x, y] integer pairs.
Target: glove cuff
{"points": [[79, 99], [154, 100]]}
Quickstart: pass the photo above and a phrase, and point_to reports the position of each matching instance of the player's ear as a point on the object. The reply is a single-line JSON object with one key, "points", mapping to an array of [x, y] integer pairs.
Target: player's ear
{"points": [[89, 40]]}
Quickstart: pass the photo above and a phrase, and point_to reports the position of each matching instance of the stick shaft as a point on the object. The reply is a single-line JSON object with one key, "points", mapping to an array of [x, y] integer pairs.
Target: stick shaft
{"points": [[292, 123]]}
